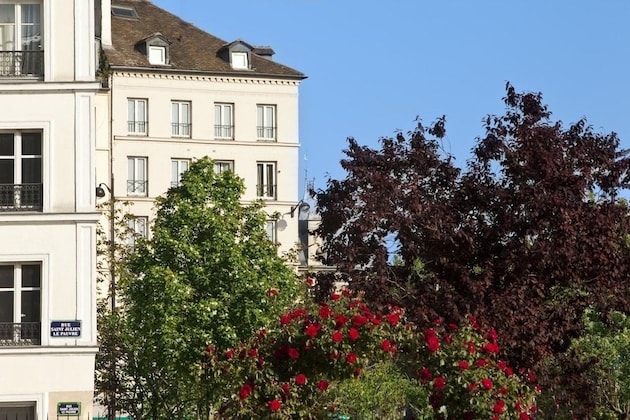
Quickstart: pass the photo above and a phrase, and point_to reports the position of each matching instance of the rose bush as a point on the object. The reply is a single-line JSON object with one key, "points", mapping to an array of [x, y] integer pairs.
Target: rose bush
{"points": [[300, 366]]}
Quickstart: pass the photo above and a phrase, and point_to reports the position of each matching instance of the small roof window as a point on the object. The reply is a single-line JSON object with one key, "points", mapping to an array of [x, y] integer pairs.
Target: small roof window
{"points": [[125, 12]]}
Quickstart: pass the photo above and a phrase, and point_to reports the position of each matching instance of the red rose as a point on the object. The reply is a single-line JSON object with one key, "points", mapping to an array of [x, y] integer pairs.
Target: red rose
{"points": [[463, 365], [471, 347], [210, 349], [310, 281], [272, 292], [357, 372], [229, 354], [300, 379], [359, 321], [252, 353], [386, 345], [448, 339], [325, 312], [337, 336], [312, 330], [335, 296], [351, 358], [433, 344], [499, 407], [481, 363], [274, 405], [285, 388], [293, 353], [492, 347], [245, 391], [486, 383], [393, 319], [439, 383], [425, 375], [341, 320], [322, 385], [472, 387], [354, 334], [285, 319], [453, 327]]}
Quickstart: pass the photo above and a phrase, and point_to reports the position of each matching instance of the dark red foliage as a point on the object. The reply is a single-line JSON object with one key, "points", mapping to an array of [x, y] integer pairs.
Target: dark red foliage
{"points": [[530, 233]]}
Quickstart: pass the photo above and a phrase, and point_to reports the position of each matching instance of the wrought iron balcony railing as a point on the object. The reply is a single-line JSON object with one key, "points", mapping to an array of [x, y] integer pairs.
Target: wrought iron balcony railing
{"points": [[137, 128], [180, 129], [21, 64], [137, 187], [20, 334], [224, 132], [266, 191], [20, 197], [266, 133]]}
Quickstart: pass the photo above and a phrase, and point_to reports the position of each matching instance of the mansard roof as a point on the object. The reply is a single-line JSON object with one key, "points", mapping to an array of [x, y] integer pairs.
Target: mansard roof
{"points": [[191, 49]]}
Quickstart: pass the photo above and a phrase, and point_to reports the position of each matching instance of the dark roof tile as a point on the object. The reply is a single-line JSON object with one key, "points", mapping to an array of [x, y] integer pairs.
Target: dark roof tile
{"points": [[191, 48]]}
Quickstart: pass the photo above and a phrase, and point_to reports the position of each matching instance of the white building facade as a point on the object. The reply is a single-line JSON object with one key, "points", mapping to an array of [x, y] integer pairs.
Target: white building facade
{"points": [[176, 93], [47, 208]]}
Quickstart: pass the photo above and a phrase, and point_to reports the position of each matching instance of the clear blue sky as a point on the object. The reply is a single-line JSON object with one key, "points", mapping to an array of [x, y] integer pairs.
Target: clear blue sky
{"points": [[373, 66]]}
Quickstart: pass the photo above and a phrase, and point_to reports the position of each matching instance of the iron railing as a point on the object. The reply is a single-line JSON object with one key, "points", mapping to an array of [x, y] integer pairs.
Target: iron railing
{"points": [[266, 191], [21, 64], [224, 132], [264, 133], [20, 197], [180, 129], [137, 187], [138, 128], [20, 334]]}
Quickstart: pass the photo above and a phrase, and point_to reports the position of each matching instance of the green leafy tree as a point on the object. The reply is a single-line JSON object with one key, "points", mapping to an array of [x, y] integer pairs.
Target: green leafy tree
{"points": [[208, 276]]}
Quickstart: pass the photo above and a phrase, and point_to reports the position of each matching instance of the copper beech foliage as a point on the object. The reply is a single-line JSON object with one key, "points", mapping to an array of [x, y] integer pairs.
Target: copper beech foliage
{"points": [[530, 233]]}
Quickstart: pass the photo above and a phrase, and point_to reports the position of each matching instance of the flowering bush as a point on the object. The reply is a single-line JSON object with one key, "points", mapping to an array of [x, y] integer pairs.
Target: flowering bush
{"points": [[299, 367]]}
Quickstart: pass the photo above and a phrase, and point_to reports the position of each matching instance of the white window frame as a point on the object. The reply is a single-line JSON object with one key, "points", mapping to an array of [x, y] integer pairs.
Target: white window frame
{"points": [[137, 122], [20, 66], [221, 166], [266, 117], [266, 180], [138, 228], [224, 121], [137, 182], [17, 289], [157, 55], [271, 226], [178, 167], [240, 60], [17, 194], [181, 121]]}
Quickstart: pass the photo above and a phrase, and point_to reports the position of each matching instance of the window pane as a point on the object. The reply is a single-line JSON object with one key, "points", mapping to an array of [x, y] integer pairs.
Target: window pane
{"points": [[6, 306], [7, 169], [227, 117], [175, 112], [30, 306], [32, 144], [6, 144], [142, 110], [7, 13], [31, 275], [31, 13], [131, 169], [174, 172], [32, 171], [141, 169], [6, 276], [131, 110], [268, 116], [185, 113], [259, 116]]}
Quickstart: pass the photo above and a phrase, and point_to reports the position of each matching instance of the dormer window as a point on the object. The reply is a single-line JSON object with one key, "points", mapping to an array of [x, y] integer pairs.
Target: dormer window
{"points": [[238, 54], [240, 60], [157, 55], [156, 49]]}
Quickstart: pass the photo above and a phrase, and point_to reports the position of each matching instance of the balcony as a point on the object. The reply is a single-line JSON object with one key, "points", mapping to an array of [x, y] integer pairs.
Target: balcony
{"points": [[17, 64], [180, 129], [137, 128], [266, 133], [22, 334], [224, 132], [20, 197], [138, 188], [266, 191]]}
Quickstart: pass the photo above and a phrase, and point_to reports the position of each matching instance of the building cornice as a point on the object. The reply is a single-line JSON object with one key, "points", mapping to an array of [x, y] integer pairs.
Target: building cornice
{"points": [[48, 87], [240, 78], [19, 218], [179, 140]]}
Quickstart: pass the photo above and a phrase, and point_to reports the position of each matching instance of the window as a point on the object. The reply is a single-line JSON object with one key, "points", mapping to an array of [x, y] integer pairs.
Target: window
{"points": [[20, 304], [137, 229], [221, 166], [180, 119], [266, 187], [178, 167], [271, 230], [157, 54], [266, 126], [223, 125], [21, 43], [240, 60], [20, 171], [137, 117], [17, 411], [125, 12], [137, 176]]}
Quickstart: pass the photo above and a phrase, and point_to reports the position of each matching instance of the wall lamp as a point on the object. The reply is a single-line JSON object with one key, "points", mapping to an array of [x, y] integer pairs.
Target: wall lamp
{"points": [[100, 190], [304, 207]]}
